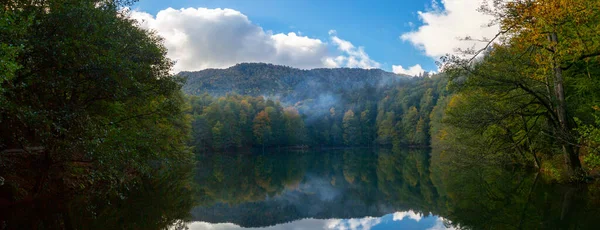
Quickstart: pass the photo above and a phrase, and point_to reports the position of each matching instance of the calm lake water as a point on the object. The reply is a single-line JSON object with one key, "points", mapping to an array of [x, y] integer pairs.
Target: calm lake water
{"points": [[332, 189], [379, 189]]}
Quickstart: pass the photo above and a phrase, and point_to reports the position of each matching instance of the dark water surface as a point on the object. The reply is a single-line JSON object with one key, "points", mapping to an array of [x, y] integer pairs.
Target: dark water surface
{"points": [[380, 189], [330, 189]]}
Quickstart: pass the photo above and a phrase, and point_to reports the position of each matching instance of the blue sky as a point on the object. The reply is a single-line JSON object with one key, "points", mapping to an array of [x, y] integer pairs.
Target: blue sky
{"points": [[326, 33], [397, 220]]}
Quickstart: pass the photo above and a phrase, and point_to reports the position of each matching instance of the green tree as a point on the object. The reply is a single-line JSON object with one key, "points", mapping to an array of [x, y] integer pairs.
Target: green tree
{"points": [[367, 127], [218, 142], [78, 93], [262, 128], [385, 128], [294, 127], [550, 45], [351, 125], [409, 125]]}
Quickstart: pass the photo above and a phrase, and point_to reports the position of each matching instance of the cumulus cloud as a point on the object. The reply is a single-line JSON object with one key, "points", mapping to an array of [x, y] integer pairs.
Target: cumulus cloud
{"points": [[200, 38], [408, 214], [439, 225], [415, 70], [303, 224], [364, 223], [443, 27], [353, 57]]}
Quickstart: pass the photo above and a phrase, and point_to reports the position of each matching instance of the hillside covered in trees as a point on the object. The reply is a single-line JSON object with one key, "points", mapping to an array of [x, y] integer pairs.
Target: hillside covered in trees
{"points": [[286, 83], [333, 107], [529, 98], [94, 126]]}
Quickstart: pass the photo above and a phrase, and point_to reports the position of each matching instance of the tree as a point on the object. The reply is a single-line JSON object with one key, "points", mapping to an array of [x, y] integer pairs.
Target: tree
{"points": [[218, 141], [421, 133], [294, 127], [201, 134], [385, 128], [409, 125], [79, 93], [367, 127], [262, 128], [351, 126], [563, 35]]}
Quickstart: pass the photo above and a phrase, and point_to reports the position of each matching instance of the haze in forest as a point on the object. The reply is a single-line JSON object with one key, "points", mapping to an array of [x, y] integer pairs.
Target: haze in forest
{"points": [[476, 113]]}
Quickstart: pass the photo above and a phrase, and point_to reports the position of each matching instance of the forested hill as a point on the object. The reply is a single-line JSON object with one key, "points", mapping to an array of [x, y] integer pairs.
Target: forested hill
{"points": [[269, 105], [257, 79]]}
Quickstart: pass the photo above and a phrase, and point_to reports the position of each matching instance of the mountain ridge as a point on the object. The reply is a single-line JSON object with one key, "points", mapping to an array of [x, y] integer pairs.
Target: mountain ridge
{"points": [[267, 79]]}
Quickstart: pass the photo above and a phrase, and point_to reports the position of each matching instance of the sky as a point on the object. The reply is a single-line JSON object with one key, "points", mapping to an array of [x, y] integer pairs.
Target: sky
{"points": [[397, 220], [403, 36]]}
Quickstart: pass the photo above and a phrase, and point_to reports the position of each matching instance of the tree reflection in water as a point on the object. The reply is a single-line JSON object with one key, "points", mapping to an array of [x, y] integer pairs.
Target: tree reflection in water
{"points": [[282, 189]]}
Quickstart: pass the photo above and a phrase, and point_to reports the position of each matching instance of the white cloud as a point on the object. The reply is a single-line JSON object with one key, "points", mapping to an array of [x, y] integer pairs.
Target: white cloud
{"points": [[353, 57], [415, 70], [439, 225], [200, 38], [364, 223], [442, 28], [408, 214]]}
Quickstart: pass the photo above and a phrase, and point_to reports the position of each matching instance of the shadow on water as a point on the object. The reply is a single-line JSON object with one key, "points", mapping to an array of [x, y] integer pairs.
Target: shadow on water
{"points": [[157, 202], [273, 189], [386, 188]]}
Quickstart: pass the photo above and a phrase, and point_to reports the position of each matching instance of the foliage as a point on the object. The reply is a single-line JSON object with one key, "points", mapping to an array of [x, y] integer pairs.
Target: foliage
{"points": [[86, 90], [378, 102], [243, 121], [590, 137], [290, 84], [525, 92]]}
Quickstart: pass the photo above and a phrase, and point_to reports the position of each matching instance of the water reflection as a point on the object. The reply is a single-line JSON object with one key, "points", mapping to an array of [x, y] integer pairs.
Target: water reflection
{"points": [[370, 189], [157, 202], [347, 187], [398, 220], [334, 189]]}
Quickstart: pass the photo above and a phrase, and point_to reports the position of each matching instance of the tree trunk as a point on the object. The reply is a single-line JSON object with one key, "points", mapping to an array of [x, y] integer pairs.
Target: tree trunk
{"points": [[570, 155]]}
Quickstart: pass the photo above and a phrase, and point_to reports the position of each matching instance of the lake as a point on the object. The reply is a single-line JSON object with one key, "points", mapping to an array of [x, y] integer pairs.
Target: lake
{"points": [[379, 189], [328, 189]]}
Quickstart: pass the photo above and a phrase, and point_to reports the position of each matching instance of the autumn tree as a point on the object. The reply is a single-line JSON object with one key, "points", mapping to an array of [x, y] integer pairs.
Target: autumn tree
{"points": [[557, 45], [294, 127], [262, 128]]}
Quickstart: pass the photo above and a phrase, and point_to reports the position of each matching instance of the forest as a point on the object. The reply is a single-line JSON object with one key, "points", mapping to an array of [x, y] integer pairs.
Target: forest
{"points": [[529, 98], [115, 120], [392, 114], [98, 122]]}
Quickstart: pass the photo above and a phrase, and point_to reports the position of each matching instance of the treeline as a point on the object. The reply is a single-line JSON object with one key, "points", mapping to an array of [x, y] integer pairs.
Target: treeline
{"points": [[82, 110], [368, 116], [236, 121], [534, 99], [399, 115]]}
